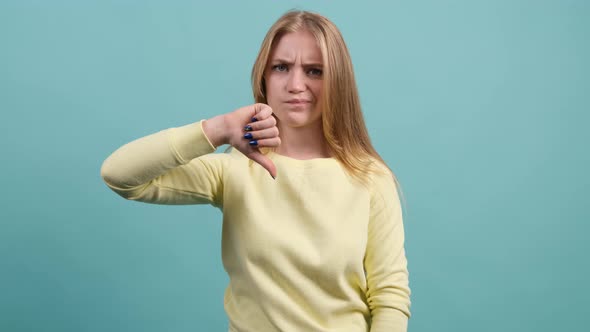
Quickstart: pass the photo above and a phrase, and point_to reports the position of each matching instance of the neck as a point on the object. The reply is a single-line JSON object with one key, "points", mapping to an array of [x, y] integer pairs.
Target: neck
{"points": [[303, 142]]}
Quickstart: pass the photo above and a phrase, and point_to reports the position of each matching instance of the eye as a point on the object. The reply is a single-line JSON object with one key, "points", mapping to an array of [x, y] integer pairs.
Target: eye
{"points": [[317, 72], [280, 67]]}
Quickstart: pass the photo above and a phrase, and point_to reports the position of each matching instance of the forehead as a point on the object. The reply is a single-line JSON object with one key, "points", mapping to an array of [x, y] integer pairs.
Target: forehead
{"points": [[300, 44]]}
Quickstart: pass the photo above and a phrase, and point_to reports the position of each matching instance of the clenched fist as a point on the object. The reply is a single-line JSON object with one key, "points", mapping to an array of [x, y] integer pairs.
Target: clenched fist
{"points": [[246, 129]]}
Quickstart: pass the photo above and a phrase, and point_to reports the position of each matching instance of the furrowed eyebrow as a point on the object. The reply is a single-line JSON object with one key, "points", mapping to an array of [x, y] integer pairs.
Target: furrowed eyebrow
{"points": [[314, 64]]}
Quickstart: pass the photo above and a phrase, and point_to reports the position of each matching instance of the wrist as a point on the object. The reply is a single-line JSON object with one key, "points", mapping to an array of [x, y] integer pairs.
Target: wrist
{"points": [[215, 129]]}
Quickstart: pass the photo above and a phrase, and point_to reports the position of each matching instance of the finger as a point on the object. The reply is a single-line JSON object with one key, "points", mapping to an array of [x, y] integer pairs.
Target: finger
{"points": [[261, 124], [265, 162], [261, 112], [266, 143], [261, 134]]}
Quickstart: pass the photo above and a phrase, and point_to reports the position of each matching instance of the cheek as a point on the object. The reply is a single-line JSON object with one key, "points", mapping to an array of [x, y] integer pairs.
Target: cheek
{"points": [[272, 95], [317, 89], [270, 86]]}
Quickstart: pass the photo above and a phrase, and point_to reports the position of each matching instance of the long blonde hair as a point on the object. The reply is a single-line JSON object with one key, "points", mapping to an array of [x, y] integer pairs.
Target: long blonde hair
{"points": [[342, 119]]}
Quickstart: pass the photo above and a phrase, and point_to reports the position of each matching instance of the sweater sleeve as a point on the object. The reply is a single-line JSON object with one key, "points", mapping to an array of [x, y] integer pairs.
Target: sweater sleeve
{"points": [[173, 166], [388, 292]]}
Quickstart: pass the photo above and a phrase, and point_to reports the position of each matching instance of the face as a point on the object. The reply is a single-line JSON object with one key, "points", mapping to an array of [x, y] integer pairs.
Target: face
{"points": [[294, 80]]}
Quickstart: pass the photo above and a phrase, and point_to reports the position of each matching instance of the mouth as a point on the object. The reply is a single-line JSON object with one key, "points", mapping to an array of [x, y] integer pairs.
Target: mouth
{"points": [[298, 102]]}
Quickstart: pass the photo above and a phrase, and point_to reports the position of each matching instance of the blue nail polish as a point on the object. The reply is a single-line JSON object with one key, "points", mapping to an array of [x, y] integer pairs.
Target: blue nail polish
{"points": [[248, 128], [248, 135], [254, 119], [253, 142]]}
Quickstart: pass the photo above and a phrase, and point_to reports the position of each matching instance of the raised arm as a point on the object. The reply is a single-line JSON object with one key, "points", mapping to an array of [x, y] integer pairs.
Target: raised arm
{"points": [[177, 166], [172, 166]]}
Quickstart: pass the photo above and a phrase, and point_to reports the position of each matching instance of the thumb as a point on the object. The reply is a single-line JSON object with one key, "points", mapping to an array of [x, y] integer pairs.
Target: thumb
{"points": [[265, 162]]}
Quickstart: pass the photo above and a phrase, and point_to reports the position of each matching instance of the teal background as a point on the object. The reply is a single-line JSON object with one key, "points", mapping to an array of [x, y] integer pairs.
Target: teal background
{"points": [[480, 107]]}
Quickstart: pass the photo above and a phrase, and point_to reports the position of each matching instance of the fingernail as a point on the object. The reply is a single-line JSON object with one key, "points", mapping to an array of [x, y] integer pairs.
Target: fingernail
{"points": [[273, 177], [248, 128], [248, 135], [253, 142], [254, 119]]}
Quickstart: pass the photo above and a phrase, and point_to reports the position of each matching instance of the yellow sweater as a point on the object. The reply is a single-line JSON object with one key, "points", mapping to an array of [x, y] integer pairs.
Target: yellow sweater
{"points": [[312, 250]]}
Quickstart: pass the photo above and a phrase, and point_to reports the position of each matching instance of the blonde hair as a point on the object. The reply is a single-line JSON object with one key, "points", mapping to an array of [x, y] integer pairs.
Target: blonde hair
{"points": [[342, 119]]}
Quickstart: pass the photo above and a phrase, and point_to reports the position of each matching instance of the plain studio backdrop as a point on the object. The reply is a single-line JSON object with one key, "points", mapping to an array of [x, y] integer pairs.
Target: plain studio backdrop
{"points": [[480, 107]]}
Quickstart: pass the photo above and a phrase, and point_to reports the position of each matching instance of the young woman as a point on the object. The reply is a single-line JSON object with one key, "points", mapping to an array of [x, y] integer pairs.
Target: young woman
{"points": [[317, 245]]}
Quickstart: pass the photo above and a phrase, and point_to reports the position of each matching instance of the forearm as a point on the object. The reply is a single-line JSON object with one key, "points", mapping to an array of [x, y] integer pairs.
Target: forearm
{"points": [[144, 159], [389, 320]]}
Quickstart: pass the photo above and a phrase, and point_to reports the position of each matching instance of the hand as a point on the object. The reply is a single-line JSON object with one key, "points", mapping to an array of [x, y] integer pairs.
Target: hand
{"points": [[230, 129]]}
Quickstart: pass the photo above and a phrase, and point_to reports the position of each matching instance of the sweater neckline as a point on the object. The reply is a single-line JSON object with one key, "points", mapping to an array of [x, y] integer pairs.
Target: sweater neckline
{"points": [[304, 162]]}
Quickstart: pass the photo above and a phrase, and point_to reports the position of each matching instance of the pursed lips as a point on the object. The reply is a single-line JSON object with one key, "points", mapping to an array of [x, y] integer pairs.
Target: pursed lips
{"points": [[298, 101]]}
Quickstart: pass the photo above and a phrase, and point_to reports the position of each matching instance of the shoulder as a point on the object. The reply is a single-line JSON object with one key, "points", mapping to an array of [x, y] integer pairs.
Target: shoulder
{"points": [[380, 174], [230, 158], [234, 155], [383, 185], [219, 160]]}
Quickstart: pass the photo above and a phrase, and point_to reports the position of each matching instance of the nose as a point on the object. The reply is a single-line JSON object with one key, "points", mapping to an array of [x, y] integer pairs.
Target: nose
{"points": [[296, 81]]}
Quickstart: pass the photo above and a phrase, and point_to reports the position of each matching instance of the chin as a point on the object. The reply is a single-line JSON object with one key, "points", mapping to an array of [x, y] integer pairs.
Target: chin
{"points": [[297, 119]]}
